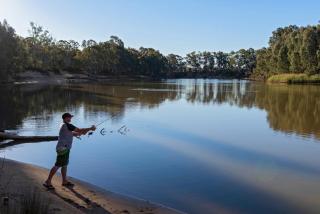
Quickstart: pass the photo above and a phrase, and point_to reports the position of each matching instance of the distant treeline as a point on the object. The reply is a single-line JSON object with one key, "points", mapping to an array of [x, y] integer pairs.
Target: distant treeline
{"points": [[41, 52], [291, 50]]}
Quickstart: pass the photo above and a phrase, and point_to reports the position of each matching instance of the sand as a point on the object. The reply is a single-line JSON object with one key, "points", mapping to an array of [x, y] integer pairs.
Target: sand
{"points": [[22, 179]]}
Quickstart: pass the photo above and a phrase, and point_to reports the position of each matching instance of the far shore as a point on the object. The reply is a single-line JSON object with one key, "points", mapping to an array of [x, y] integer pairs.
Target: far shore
{"points": [[46, 77], [18, 180]]}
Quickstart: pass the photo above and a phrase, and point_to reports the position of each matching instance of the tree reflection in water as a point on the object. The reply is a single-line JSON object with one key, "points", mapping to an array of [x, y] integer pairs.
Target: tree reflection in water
{"points": [[290, 108]]}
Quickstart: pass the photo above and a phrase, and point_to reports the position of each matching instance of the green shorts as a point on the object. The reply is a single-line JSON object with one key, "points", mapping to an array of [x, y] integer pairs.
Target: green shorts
{"points": [[62, 158]]}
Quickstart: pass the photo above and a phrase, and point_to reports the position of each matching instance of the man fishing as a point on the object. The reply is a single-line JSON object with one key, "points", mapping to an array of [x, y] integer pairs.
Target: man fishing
{"points": [[66, 133]]}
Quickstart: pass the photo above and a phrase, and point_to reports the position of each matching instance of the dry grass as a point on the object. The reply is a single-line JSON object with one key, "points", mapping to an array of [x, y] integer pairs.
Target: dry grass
{"points": [[27, 202], [31, 203], [294, 78]]}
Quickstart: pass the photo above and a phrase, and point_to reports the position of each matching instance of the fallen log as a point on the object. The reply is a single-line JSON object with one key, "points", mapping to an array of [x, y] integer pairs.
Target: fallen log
{"points": [[7, 136], [15, 143]]}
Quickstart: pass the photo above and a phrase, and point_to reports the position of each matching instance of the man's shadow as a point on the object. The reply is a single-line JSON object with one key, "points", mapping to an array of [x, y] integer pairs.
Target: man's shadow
{"points": [[93, 207]]}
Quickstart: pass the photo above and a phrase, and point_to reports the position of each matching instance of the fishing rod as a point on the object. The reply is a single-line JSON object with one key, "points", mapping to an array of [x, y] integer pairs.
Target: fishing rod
{"points": [[91, 132], [102, 122], [123, 130], [102, 131]]}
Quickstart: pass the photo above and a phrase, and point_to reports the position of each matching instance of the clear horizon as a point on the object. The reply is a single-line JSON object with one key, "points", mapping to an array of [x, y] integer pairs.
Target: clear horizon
{"points": [[178, 26]]}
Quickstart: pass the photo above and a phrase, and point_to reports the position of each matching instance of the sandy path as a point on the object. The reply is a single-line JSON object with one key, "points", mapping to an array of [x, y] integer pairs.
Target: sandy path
{"points": [[83, 198]]}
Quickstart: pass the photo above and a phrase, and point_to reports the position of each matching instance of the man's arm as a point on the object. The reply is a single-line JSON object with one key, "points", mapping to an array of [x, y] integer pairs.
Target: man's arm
{"points": [[83, 131]]}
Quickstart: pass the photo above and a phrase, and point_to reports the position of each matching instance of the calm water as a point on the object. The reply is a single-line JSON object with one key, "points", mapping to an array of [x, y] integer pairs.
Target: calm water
{"points": [[201, 146]]}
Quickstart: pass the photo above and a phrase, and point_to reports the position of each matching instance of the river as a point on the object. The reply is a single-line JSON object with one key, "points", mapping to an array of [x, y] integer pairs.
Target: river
{"points": [[197, 145]]}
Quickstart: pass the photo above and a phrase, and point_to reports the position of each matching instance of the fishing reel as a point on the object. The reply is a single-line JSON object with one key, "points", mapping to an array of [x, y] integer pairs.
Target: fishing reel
{"points": [[102, 132]]}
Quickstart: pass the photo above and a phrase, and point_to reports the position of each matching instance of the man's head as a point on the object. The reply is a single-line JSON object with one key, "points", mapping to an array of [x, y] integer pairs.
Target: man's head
{"points": [[67, 117]]}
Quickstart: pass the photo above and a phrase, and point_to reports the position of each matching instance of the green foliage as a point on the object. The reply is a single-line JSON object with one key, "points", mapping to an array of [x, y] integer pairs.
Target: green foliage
{"points": [[41, 52], [176, 63], [291, 50], [9, 51], [238, 64]]}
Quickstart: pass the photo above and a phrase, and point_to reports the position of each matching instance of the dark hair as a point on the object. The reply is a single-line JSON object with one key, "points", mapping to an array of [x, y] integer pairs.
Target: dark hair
{"points": [[65, 115]]}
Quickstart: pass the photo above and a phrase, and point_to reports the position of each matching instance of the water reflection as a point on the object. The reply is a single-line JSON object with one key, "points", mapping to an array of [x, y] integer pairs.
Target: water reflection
{"points": [[290, 108], [195, 145]]}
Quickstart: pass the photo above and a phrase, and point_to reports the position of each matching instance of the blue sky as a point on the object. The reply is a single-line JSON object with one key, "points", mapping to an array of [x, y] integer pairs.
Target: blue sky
{"points": [[171, 26]]}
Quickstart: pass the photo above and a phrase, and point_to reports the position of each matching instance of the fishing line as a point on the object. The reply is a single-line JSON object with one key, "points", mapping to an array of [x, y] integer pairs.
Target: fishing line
{"points": [[123, 130]]}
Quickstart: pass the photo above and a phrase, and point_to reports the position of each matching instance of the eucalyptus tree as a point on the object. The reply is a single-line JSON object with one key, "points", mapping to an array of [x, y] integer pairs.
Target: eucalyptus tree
{"points": [[176, 63], [9, 50], [291, 49]]}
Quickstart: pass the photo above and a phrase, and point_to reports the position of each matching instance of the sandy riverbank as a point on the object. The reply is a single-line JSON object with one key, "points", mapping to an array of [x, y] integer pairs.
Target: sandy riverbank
{"points": [[19, 179]]}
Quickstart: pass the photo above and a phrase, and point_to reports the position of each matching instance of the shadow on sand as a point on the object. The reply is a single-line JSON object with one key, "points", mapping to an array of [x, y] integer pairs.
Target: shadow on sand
{"points": [[92, 207]]}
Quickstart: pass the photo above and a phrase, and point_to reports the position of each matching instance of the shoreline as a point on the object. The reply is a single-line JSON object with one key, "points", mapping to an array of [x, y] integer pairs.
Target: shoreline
{"points": [[294, 78], [37, 77], [18, 179]]}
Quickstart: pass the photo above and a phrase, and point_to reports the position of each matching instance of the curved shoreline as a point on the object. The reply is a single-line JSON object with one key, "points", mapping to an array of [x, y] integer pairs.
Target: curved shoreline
{"points": [[22, 178]]}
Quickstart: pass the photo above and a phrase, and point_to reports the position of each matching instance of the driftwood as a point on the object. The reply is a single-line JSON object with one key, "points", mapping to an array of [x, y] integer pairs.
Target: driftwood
{"points": [[7, 136], [15, 143]]}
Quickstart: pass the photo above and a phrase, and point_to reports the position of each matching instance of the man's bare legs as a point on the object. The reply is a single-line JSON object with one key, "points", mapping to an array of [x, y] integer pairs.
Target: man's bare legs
{"points": [[64, 175], [51, 174], [54, 170]]}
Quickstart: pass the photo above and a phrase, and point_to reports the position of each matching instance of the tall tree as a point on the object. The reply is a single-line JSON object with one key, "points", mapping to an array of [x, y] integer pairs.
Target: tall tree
{"points": [[9, 50]]}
